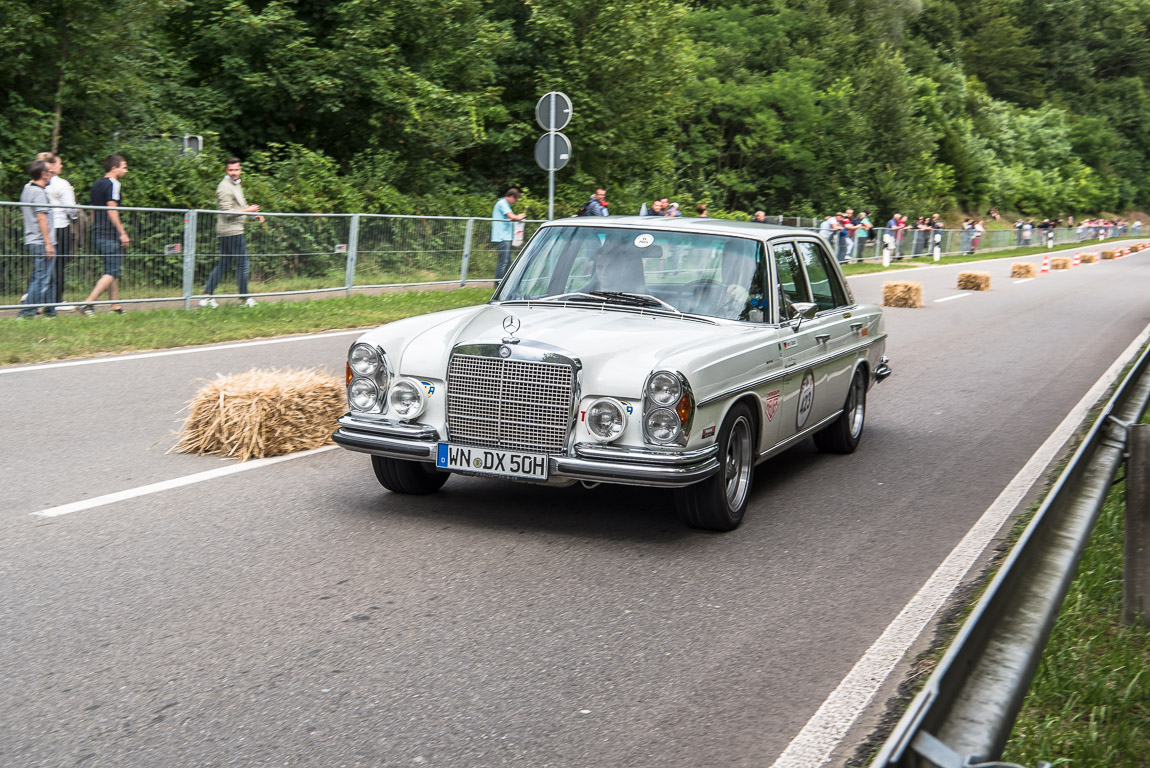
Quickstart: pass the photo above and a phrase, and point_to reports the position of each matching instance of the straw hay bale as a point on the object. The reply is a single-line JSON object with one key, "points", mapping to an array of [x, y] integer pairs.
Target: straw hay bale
{"points": [[1060, 262], [1023, 270], [974, 281], [1109, 254], [902, 294], [263, 413], [1088, 257]]}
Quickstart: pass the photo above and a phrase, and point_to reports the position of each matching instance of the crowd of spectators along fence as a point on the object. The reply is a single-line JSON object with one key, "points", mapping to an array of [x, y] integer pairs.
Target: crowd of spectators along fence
{"points": [[173, 251]]}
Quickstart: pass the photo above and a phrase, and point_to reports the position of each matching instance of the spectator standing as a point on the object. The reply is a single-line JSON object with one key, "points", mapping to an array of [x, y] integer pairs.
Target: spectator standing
{"points": [[673, 210], [847, 235], [503, 229], [230, 231], [701, 210], [597, 205], [979, 231], [108, 233], [1136, 227], [38, 239], [862, 232], [967, 234], [1027, 231], [1018, 225], [60, 192], [920, 228], [760, 217], [935, 236], [826, 229]]}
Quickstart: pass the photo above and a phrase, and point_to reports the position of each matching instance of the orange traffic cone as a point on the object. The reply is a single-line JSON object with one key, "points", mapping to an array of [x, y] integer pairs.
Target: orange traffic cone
{"points": [[1077, 259], [1045, 265]]}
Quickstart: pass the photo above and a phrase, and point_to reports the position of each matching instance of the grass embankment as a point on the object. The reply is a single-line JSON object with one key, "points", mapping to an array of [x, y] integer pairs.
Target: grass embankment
{"points": [[1089, 703], [73, 335]]}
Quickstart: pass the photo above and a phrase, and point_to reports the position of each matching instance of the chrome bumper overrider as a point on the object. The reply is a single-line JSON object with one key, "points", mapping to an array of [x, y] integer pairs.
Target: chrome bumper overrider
{"points": [[591, 462]]}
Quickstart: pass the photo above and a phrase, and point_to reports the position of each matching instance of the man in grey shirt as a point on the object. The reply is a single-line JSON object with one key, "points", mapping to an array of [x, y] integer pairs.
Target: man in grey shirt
{"points": [[38, 239]]}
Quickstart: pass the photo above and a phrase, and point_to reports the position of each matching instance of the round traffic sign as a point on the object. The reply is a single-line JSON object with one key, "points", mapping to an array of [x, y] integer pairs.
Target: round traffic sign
{"points": [[553, 111], [552, 151]]}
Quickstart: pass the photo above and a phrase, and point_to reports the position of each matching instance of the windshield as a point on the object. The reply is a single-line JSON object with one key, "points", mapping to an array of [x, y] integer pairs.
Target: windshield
{"points": [[712, 275]]}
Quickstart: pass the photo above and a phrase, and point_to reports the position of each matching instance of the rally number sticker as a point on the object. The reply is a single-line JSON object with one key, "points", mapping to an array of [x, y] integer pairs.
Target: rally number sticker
{"points": [[806, 399]]}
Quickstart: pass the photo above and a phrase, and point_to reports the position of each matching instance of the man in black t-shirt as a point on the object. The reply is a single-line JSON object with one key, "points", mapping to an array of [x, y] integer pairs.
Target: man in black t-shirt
{"points": [[108, 233]]}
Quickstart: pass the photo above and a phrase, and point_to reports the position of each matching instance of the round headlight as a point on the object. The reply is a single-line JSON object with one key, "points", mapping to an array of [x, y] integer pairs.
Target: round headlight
{"points": [[662, 425], [405, 399], [363, 395], [606, 419], [363, 359], [664, 388]]}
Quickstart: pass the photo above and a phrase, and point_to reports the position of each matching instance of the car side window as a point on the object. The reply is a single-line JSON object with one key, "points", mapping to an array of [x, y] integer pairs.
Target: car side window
{"points": [[792, 285], [826, 288]]}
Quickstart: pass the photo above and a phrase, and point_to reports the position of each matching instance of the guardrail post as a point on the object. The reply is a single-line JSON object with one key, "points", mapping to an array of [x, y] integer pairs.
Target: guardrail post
{"points": [[466, 252], [1136, 570], [189, 257], [352, 251]]}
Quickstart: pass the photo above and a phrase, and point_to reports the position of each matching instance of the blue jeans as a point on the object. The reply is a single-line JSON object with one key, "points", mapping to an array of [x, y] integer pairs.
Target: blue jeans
{"points": [[503, 263], [233, 255], [40, 287]]}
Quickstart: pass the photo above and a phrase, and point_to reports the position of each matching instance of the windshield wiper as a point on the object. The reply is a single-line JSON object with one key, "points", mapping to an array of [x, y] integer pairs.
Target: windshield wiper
{"points": [[572, 295], [636, 299]]}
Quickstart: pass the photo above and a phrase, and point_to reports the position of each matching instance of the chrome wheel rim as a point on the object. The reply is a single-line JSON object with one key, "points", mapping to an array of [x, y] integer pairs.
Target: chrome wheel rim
{"points": [[856, 406], [737, 468]]}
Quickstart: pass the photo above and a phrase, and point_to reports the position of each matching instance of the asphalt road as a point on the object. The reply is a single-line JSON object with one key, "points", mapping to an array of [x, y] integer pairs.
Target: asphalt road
{"points": [[299, 615]]}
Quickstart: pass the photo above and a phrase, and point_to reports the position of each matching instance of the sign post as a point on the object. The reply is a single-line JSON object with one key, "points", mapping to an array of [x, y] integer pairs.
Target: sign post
{"points": [[553, 149]]}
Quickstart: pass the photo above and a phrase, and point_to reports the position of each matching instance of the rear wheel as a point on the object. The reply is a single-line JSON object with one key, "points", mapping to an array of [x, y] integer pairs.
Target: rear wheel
{"points": [[718, 503], [413, 477], [844, 433]]}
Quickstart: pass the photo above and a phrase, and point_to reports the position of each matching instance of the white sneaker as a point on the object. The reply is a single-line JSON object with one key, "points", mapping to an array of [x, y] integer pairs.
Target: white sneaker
{"points": [[209, 302], [250, 302]]}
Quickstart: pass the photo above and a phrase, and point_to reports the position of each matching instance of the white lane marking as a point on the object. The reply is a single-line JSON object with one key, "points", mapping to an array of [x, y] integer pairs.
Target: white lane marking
{"points": [[952, 298], [1024, 280], [818, 739], [182, 351], [167, 485]]}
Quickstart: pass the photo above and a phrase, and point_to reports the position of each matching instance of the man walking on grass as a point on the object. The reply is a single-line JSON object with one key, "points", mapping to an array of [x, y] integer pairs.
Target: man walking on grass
{"points": [[230, 229], [38, 239], [108, 233]]}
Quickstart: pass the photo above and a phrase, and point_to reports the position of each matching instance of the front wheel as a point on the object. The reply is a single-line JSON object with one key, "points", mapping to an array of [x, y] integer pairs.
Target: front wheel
{"points": [[718, 503], [414, 477], [844, 433]]}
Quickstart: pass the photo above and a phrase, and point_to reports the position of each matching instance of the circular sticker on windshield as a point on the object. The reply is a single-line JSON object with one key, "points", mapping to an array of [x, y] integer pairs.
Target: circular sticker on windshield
{"points": [[643, 240], [806, 399]]}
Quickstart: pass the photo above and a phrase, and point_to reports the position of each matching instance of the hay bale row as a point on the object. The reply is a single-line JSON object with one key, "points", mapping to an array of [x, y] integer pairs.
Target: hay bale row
{"points": [[1089, 257], [1060, 262], [902, 294], [263, 413], [1109, 254], [1023, 270], [974, 281]]}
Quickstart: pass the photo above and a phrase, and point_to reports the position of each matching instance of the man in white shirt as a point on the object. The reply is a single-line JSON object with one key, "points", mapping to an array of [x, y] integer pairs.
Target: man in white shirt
{"points": [[60, 192]]}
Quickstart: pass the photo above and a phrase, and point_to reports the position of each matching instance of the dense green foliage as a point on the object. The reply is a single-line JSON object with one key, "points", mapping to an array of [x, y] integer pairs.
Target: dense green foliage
{"points": [[797, 107]]}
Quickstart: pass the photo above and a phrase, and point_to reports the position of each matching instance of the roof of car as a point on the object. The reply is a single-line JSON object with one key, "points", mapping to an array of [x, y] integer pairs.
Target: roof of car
{"points": [[682, 223]]}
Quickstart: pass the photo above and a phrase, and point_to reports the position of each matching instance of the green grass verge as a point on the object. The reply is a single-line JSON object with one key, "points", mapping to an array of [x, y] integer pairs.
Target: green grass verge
{"points": [[1089, 703], [73, 335]]}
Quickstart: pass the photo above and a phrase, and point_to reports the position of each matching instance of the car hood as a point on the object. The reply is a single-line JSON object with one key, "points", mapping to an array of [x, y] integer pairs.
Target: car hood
{"points": [[618, 349]]}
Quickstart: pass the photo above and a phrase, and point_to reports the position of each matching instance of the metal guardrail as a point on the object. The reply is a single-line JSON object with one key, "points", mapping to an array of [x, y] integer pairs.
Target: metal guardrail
{"points": [[173, 252], [964, 713]]}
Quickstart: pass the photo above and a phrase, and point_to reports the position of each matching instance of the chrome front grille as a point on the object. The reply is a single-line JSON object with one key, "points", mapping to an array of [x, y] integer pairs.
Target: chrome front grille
{"points": [[499, 403]]}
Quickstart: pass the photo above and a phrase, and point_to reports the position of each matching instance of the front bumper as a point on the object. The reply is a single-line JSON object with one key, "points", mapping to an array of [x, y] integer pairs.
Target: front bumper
{"points": [[591, 462]]}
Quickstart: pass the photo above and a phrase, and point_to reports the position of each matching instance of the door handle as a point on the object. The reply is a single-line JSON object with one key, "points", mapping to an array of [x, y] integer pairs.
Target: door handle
{"points": [[822, 338], [856, 326]]}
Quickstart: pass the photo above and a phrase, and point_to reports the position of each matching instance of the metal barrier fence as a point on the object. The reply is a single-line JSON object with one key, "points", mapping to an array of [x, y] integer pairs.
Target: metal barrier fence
{"points": [[964, 713], [173, 253]]}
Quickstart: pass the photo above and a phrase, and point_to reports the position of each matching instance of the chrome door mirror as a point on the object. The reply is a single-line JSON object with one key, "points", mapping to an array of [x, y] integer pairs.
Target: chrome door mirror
{"points": [[800, 311]]}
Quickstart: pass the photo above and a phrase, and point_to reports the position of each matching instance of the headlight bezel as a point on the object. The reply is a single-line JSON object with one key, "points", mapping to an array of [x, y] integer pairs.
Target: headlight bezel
{"points": [[372, 353], [380, 376], [372, 400], [410, 386], [621, 419], [682, 408]]}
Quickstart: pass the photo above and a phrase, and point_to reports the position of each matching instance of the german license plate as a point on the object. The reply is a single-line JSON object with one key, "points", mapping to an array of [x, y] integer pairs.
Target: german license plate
{"points": [[492, 461]]}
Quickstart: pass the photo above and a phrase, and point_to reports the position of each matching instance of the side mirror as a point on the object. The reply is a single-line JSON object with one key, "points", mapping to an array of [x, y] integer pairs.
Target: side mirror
{"points": [[800, 311]]}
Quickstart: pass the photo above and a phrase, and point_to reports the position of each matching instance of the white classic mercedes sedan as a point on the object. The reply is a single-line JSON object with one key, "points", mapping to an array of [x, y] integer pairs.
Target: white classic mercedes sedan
{"points": [[669, 352]]}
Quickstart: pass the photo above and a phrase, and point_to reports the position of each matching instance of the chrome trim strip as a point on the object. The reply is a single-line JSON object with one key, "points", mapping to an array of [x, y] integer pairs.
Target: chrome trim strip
{"points": [[633, 474], [390, 428], [790, 441], [783, 374], [380, 445], [595, 451]]}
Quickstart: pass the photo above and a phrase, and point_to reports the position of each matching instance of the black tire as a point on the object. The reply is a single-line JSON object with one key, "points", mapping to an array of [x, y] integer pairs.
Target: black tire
{"points": [[843, 434], [718, 503], [414, 477]]}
